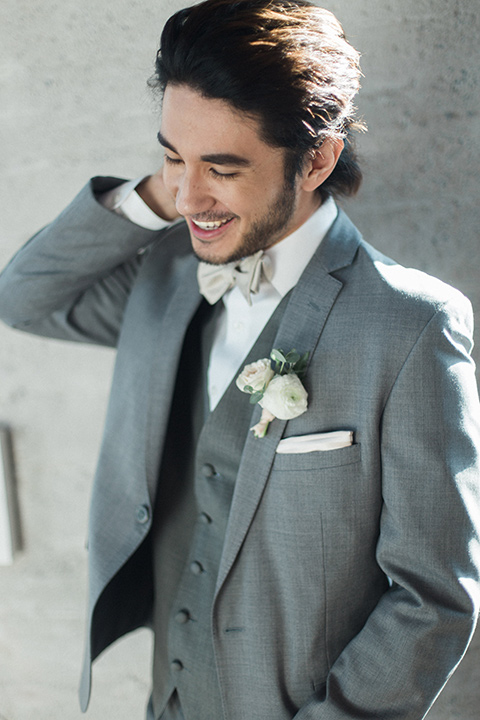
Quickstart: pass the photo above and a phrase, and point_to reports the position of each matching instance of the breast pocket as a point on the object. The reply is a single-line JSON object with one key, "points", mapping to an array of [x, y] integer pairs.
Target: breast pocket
{"points": [[308, 508], [317, 461], [302, 488]]}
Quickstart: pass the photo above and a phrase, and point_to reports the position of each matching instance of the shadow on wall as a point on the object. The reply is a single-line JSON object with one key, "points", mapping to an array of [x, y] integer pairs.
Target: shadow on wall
{"points": [[10, 526]]}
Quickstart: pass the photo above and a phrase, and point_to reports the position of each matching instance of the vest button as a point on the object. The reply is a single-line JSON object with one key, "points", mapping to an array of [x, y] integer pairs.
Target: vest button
{"points": [[208, 471], [196, 568], [142, 513], [182, 617], [176, 665], [205, 519]]}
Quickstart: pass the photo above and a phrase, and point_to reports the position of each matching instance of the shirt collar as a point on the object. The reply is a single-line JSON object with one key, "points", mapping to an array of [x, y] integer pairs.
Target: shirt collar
{"points": [[290, 256]]}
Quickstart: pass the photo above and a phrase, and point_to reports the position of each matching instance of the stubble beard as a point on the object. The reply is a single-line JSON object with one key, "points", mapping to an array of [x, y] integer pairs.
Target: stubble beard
{"points": [[265, 231]]}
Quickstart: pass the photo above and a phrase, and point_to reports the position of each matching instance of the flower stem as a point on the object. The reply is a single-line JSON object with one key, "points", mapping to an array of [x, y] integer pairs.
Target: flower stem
{"points": [[260, 429]]}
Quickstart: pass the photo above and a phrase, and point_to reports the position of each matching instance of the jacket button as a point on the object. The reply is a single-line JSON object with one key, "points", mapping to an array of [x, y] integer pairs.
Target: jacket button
{"points": [[142, 513], [182, 617], [196, 568], [205, 519], [176, 665], [208, 471]]}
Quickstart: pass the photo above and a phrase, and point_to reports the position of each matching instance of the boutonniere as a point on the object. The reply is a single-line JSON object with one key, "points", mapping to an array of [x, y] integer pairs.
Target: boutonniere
{"points": [[274, 383]]}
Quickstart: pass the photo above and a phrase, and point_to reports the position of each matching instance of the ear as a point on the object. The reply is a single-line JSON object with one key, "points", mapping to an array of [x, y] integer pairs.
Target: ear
{"points": [[321, 164]]}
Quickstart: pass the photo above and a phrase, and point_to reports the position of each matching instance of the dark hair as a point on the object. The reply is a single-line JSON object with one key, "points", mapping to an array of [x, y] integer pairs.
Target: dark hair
{"points": [[284, 62]]}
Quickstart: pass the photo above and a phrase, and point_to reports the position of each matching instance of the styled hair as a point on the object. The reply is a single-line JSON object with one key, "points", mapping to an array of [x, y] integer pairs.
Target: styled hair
{"points": [[285, 63]]}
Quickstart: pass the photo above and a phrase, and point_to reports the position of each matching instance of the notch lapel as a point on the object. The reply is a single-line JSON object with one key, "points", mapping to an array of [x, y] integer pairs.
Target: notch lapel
{"points": [[301, 327]]}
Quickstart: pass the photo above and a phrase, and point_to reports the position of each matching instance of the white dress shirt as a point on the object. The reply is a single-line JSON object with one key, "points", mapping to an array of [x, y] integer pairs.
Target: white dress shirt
{"points": [[240, 324]]}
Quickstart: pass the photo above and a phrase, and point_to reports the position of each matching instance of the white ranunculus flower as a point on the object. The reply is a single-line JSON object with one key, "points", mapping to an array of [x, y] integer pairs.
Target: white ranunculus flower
{"points": [[285, 397], [257, 375]]}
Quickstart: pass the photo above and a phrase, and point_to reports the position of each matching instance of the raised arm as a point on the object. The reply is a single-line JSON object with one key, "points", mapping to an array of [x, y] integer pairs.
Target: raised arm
{"points": [[72, 279]]}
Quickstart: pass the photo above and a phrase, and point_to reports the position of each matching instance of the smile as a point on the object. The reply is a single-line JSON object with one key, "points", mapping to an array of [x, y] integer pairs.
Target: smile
{"points": [[208, 230], [211, 225]]}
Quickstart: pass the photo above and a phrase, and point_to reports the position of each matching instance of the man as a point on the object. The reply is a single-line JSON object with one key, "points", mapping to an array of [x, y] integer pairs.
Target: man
{"points": [[330, 569]]}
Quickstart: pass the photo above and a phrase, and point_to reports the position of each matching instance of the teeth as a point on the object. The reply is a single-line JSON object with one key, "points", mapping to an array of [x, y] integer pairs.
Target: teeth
{"points": [[210, 225]]}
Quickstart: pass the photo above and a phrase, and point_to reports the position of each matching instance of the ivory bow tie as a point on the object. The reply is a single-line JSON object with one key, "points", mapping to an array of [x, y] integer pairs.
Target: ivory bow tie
{"points": [[215, 280]]}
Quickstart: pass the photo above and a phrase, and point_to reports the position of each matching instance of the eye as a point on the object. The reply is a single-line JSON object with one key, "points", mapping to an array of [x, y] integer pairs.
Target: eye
{"points": [[223, 176], [172, 161]]}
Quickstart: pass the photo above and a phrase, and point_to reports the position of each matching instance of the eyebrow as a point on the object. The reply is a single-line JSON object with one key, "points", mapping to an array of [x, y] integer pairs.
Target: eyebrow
{"points": [[215, 158]]}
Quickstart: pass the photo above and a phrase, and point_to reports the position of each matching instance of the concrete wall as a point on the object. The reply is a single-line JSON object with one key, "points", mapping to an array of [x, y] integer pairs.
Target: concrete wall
{"points": [[74, 103]]}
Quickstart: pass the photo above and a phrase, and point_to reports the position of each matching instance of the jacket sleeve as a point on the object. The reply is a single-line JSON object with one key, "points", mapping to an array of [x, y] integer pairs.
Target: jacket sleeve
{"points": [[428, 544], [72, 279]]}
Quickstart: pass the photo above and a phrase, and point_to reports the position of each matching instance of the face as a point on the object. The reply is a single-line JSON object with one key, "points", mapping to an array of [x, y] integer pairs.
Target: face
{"points": [[226, 181]]}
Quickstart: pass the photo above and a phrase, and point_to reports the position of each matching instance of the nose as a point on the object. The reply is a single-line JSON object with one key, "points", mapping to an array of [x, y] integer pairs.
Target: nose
{"points": [[192, 194]]}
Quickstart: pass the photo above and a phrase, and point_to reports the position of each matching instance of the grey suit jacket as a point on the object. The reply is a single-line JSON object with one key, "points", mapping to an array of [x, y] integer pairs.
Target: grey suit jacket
{"points": [[354, 573]]}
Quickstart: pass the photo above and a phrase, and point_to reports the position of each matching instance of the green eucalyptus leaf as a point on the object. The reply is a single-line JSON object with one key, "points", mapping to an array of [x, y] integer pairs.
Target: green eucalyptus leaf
{"points": [[301, 365], [292, 357], [278, 356]]}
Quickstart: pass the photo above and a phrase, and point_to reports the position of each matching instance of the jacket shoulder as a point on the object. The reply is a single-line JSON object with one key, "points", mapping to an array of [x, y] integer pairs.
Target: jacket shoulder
{"points": [[413, 290], [379, 289]]}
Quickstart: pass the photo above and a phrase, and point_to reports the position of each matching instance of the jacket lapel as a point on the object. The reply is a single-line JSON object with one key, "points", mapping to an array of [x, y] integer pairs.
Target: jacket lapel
{"points": [[300, 328], [165, 357]]}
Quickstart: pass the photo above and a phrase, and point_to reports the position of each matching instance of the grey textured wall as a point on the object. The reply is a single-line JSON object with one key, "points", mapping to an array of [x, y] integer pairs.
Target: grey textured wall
{"points": [[74, 103]]}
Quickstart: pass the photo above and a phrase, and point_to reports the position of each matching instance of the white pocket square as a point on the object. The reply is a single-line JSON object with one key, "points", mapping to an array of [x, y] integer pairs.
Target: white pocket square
{"points": [[316, 442]]}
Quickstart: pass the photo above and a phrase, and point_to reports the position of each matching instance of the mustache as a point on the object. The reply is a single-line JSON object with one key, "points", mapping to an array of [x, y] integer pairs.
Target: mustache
{"points": [[211, 217]]}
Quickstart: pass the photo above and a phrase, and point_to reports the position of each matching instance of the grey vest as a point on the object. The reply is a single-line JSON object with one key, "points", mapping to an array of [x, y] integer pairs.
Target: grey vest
{"points": [[197, 477]]}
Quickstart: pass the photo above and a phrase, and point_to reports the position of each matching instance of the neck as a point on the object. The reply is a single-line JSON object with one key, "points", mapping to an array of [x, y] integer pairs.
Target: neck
{"points": [[307, 204]]}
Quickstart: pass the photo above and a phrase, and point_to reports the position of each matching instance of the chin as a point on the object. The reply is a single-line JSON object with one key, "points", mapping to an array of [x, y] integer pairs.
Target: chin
{"points": [[213, 256], [214, 259]]}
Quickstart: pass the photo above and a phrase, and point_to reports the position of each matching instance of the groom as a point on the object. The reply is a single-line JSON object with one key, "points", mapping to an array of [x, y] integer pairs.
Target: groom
{"points": [[328, 570]]}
